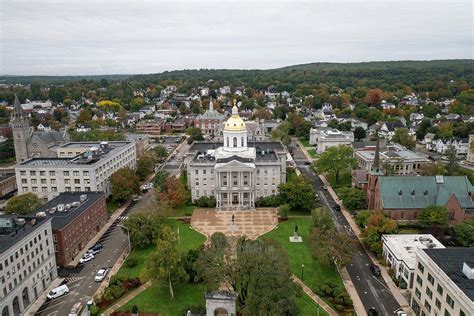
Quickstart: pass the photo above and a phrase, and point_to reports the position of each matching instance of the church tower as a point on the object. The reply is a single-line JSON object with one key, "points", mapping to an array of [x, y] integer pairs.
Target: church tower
{"points": [[21, 131], [373, 177]]}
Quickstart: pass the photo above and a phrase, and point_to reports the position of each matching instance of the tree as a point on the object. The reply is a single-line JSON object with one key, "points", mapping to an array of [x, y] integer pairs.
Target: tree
{"points": [[23, 204], [322, 220], [423, 129], [403, 138], [353, 198], [465, 233], [433, 169], [445, 131], [260, 292], [359, 133], [362, 218], [433, 215], [144, 227], [124, 183], [195, 134], [452, 167], [340, 248], [160, 180], [84, 116], [373, 97], [174, 193], [145, 166], [377, 225], [109, 106], [160, 152], [302, 131], [281, 133], [335, 160], [165, 264], [298, 193]]}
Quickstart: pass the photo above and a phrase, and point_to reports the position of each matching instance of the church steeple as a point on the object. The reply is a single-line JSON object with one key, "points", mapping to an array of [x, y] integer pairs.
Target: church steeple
{"points": [[21, 131], [17, 109], [376, 170]]}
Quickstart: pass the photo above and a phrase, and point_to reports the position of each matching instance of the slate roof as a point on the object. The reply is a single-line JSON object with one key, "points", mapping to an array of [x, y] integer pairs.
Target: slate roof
{"points": [[413, 192], [49, 136], [391, 126]]}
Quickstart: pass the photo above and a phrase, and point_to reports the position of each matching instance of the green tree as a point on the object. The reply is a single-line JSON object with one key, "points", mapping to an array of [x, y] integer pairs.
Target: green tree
{"points": [[353, 198], [403, 138], [195, 134], [298, 193], [433, 169], [322, 220], [144, 228], [452, 167], [164, 265], [302, 131], [23, 204], [281, 133], [335, 160], [124, 183], [359, 133], [362, 217], [423, 129], [377, 225], [160, 152], [465, 233], [433, 215], [160, 180], [145, 166]]}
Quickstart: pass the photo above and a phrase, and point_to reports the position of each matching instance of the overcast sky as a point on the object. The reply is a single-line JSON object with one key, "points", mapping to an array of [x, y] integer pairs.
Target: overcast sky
{"points": [[78, 37]]}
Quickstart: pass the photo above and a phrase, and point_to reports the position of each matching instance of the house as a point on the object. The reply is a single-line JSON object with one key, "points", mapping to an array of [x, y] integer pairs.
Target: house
{"points": [[461, 145], [428, 140], [358, 123], [416, 117], [470, 151], [44, 126], [402, 197], [387, 105], [399, 252], [83, 128], [387, 130], [224, 90]]}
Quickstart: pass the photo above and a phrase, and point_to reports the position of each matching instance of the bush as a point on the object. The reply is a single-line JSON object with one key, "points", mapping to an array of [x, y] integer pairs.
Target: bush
{"points": [[95, 310], [361, 218], [268, 201], [283, 211], [131, 262], [206, 201]]}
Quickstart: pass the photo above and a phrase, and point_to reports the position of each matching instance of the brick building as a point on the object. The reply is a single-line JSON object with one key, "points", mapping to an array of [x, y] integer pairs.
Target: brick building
{"points": [[210, 121], [7, 182], [76, 217]]}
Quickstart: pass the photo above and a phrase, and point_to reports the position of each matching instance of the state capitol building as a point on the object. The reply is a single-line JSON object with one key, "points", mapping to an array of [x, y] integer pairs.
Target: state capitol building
{"points": [[237, 171]]}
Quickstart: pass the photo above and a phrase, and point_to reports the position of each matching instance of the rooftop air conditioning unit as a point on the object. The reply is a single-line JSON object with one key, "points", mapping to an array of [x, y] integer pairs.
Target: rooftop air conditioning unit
{"points": [[41, 214], [20, 221], [76, 204], [60, 207], [83, 197], [68, 206], [53, 210]]}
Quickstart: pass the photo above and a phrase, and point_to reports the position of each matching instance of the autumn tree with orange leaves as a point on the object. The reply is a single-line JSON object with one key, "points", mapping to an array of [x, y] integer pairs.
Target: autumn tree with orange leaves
{"points": [[174, 193], [373, 97], [377, 225]]}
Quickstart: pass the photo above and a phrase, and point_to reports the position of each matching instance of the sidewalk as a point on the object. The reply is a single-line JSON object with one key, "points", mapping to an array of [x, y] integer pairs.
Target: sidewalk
{"points": [[117, 265], [127, 298], [303, 149], [391, 285], [315, 297]]}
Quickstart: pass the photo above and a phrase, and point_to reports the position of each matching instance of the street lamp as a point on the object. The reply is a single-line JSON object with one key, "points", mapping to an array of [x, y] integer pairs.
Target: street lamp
{"points": [[128, 236], [302, 272]]}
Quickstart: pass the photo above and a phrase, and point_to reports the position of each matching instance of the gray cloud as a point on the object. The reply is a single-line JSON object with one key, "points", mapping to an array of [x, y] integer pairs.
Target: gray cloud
{"points": [[109, 36]]}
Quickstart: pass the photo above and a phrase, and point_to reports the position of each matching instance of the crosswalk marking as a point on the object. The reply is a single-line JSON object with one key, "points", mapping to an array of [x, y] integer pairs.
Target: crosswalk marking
{"points": [[122, 218], [73, 279]]}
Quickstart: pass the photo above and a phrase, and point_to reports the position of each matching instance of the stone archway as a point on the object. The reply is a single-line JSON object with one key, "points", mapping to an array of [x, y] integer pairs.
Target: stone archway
{"points": [[25, 297], [5, 311], [16, 306], [220, 312]]}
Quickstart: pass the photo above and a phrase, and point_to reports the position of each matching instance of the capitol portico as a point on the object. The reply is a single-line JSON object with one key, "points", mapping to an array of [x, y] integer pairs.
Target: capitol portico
{"points": [[236, 173]]}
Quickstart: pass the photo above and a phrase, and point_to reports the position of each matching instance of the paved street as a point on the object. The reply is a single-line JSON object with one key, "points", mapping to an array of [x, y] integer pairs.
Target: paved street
{"points": [[80, 280]]}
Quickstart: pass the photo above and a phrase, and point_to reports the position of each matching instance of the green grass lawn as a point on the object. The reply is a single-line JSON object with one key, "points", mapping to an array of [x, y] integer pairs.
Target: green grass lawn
{"points": [[306, 306], [156, 299], [313, 153], [112, 206], [301, 253], [183, 210], [305, 142]]}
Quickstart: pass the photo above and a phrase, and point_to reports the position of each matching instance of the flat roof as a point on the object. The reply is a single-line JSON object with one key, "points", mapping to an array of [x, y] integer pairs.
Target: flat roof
{"points": [[393, 152], [104, 151], [61, 219], [405, 246], [9, 237], [451, 261], [5, 174]]}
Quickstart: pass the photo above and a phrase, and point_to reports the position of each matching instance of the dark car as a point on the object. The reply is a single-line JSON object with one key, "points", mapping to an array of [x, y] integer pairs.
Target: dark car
{"points": [[372, 312], [375, 269], [95, 249], [337, 207]]}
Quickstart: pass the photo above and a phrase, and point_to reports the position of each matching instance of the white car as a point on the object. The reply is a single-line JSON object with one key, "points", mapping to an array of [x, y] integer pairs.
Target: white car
{"points": [[86, 258], [101, 274]]}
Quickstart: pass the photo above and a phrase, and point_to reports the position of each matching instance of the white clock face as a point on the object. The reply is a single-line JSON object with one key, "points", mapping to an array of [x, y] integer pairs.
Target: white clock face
{"points": [[35, 145]]}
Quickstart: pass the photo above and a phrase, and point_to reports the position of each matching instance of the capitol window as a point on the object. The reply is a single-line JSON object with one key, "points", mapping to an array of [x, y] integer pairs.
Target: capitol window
{"points": [[234, 142]]}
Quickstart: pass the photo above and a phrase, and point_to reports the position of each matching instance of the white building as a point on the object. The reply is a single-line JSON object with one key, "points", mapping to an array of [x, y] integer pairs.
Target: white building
{"points": [[441, 145], [470, 151], [80, 166], [444, 282], [236, 172], [387, 130], [402, 160], [27, 261], [399, 252], [329, 137]]}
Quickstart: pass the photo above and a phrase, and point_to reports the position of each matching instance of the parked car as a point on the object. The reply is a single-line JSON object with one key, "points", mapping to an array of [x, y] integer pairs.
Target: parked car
{"points": [[95, 249], [325, 187], [137, 198], [337, 207], [57, 292], [86, 258], [76, 309], [372, 312], [375, 269], [101, 274]]}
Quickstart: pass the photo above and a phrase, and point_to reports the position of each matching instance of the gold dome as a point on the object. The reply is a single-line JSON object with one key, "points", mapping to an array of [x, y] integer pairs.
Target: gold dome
{"points": [[235, 123]]}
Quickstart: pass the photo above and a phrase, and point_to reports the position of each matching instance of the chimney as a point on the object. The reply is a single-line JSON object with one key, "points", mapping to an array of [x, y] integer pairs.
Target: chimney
{"points": [[468, 270]]}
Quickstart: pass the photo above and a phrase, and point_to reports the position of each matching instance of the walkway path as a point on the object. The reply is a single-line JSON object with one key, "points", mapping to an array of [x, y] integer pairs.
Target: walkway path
{"points": [[251, 224], [124, 300], [315, 297]]}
